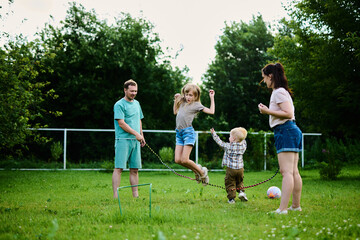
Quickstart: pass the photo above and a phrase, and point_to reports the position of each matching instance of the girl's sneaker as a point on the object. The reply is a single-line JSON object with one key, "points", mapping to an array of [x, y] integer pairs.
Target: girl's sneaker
{"points": [[205, 181], [205, 177], [295, 209], [231, 201], [197, 176]]}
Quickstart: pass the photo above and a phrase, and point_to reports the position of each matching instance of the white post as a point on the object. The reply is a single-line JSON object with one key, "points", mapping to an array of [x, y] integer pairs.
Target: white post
{"points": [[302, 150], [264, 151], [197, 147], [65, 138]]}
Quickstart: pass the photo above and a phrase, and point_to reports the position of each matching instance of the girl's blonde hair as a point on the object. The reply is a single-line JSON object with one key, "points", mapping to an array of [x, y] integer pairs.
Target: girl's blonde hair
{"points": [[186, 89], [238, 133]]}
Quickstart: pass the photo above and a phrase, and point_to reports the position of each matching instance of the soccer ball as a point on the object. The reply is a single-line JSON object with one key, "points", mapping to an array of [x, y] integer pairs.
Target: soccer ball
{"points": [[273, 192]]}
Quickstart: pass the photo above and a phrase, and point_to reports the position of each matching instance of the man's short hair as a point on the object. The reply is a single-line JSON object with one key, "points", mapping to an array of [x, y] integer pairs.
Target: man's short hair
{"points": [[239, 133], [129, 82]]}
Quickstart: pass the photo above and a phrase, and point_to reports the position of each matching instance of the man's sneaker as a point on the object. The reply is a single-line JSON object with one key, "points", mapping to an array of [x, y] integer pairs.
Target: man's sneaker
{"points": [[242, 196], [278, 211], [231, 201], [295, 209]]}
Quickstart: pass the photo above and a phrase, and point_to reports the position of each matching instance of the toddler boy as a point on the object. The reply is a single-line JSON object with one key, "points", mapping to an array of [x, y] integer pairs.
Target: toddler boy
{"points": [[233, 160]]}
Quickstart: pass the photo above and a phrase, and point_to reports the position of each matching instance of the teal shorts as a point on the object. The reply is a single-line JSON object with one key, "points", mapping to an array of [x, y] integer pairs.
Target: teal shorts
{"points": [[127, 150]]}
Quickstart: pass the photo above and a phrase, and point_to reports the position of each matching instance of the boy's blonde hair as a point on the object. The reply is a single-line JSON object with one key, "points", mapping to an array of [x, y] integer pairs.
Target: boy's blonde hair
{"points": [[187, 88], [238, 133]]}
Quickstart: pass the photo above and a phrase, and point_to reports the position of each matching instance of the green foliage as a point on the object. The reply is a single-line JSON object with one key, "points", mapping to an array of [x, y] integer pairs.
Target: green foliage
{"points": [[93, 59], [108, 166], [319, 49], [333, 160], [21, 95], [236, 72], [167, 154], [254, 156], [56, 150]]}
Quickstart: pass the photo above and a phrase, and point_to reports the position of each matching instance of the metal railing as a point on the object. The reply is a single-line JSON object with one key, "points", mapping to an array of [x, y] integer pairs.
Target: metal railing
{"points": [[65, 130]]}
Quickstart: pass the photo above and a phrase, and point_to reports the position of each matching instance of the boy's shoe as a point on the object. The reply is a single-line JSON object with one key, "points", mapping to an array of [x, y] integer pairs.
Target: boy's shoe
{"points": [[278, 211], [295, 209], [242, 196], [231, 201]]}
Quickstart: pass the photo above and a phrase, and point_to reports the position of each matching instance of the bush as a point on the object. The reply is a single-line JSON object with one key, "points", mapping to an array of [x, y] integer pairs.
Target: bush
{"points": [[56, 150], [108, 166], [254, 155], [166, 154], [333, 157]]}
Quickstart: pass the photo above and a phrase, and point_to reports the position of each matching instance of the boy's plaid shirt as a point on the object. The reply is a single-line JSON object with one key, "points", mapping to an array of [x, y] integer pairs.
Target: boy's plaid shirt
{"points": [[233, 155]]}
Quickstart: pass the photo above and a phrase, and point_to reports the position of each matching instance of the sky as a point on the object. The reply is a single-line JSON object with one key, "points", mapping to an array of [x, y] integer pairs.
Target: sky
{"points": [[191, 25]]}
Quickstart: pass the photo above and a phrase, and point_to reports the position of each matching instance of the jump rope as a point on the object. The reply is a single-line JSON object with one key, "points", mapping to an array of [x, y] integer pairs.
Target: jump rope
{"points": [[210, 184]]}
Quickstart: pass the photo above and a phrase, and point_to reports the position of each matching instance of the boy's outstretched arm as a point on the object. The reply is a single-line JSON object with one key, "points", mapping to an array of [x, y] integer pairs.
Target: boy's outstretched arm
{"points": [[217, 139]]}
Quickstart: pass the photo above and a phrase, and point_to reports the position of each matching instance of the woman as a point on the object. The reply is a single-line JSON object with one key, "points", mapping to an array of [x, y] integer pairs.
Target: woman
{"points": [[287, 135]]}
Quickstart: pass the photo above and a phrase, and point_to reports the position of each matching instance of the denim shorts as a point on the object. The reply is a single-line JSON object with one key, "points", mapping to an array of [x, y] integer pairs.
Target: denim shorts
{"points": [[287, 137], [127, 151], [185, 136]]}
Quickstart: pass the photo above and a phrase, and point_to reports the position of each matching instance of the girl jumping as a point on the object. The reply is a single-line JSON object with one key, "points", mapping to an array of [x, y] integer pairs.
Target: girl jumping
{"points": [[186, 106]]}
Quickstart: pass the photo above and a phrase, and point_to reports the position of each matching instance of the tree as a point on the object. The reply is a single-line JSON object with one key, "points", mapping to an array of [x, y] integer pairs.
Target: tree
{"points": [[20, 95], [91, 62], [319, 47], [236, 72]]}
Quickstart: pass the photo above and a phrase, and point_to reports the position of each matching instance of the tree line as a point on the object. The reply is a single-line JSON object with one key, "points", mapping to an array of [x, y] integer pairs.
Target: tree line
{"points": [[71, 75]]}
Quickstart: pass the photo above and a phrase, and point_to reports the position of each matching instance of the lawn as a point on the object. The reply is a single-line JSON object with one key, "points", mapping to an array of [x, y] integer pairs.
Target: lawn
{"points": [[79, 205]]}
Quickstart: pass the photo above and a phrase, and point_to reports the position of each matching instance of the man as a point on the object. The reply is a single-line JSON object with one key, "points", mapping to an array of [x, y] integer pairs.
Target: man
{"points": [[128, 137]]}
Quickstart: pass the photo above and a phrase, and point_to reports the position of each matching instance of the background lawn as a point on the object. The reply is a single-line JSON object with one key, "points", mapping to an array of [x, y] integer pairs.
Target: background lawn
{"points": [[79, 205]]}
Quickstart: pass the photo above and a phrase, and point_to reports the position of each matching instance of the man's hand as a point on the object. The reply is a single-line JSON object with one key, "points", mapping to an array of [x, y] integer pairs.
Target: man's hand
{"points": [[141, 139]]}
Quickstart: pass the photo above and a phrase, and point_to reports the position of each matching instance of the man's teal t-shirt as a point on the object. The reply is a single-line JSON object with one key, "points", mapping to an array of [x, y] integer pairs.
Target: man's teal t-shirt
{"points": [[131, 113]]}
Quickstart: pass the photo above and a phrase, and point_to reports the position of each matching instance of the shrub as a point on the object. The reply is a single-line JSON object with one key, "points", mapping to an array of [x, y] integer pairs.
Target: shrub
{"points": [[254, 155], [56, 150], [333, 158], [166, 154]]}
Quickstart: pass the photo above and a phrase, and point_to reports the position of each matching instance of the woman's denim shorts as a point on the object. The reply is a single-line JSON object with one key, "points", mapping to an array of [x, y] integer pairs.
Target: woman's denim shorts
{"points": [[185, 136], [287, 137]]}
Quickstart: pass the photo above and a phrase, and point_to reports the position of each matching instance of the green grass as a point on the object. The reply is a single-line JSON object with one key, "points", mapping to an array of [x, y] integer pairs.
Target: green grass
{"points": [[79, 205]]}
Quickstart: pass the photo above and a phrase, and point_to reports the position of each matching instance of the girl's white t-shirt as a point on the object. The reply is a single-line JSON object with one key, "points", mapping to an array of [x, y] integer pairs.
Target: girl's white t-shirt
{"points": [[278, 96]]}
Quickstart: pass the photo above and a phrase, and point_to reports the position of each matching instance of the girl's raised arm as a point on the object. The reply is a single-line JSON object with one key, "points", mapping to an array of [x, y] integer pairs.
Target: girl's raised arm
{"points": [[210, 110], [176, 96]]}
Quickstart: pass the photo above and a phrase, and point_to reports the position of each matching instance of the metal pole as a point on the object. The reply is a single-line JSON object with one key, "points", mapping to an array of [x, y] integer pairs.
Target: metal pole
{"points": [[265, 151], [197, 147], [302, 150], [65, 139]]}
